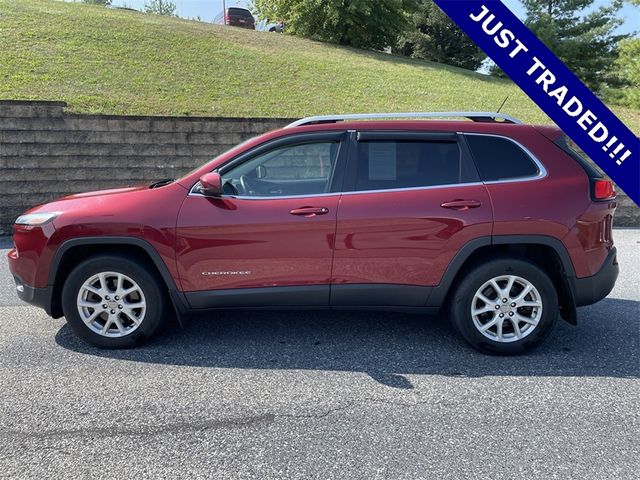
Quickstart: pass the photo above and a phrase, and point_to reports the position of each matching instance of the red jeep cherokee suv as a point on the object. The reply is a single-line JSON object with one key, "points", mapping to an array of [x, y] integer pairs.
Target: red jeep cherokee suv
{"points": [[504, 224]]}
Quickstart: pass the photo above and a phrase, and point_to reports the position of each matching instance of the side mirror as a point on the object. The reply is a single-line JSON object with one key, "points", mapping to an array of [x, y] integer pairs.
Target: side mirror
{"points": [[211, 184]]}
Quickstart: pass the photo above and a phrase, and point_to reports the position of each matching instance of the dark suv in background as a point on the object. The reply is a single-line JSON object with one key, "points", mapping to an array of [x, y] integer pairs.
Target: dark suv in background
{"points": [[236, 17], [502, 226]]}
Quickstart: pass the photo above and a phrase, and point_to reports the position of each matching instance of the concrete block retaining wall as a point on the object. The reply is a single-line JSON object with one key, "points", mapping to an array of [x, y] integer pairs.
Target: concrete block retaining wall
{"points": [[46, 153]]}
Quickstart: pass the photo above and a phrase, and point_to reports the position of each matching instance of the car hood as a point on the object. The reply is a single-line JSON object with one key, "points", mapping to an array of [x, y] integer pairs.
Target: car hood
{"points": [[110, 191], [114, 202], [150, 213]]}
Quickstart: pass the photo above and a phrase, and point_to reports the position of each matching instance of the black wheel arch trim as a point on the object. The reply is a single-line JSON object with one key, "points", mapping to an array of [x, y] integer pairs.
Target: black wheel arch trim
{"points": [[177, 297], [552, 242], [440, 292]]}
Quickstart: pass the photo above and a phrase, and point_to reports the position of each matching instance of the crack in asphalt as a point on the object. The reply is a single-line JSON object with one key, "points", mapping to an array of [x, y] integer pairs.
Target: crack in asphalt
{"points": [[146, 430], [149, 430]]}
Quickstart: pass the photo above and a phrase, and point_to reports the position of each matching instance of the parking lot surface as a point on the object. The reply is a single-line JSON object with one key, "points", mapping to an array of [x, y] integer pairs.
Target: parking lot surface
{"points": [[323, 395]]}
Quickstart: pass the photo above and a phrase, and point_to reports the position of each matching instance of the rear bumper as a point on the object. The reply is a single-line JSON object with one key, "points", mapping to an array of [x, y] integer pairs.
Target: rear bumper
{"points": [[39, 297], [589, 290]]}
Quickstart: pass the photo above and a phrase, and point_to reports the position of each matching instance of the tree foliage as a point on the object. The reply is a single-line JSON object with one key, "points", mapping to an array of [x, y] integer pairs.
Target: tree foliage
{"points": [[629, 61], [435, 37], [628, 64], [585, 42], [372, 24], [161, 7]]}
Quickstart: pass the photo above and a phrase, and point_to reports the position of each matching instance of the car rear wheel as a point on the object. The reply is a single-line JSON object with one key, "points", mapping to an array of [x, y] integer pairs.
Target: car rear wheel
{"points": [[505, 306], [113, 301]]}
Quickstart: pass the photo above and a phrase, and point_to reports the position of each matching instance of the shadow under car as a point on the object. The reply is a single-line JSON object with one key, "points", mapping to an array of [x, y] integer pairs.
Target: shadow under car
{"points": [[384, 345]]}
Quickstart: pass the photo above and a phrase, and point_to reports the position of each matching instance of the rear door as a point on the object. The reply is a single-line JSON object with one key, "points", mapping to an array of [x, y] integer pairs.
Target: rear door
{"points": [[411, 201]]}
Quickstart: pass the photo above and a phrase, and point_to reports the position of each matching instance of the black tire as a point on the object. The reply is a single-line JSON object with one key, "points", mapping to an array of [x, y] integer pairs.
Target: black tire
{"points": [[154, 295], [463, 298]]}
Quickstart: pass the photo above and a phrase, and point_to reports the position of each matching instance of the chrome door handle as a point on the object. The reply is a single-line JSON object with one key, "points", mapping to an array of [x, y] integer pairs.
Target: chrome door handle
{"points": [[309, 211], [461, 205]]}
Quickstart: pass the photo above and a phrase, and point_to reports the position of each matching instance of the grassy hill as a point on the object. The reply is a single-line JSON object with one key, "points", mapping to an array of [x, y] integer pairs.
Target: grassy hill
{"points": [[112, 61]]}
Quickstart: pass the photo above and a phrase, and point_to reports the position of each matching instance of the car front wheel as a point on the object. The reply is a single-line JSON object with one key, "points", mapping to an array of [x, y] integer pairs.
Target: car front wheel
{"points": [[113, 301], [505, 306]]}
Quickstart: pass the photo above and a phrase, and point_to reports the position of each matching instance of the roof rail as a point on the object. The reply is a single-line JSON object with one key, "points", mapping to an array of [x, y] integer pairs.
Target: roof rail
{"points": [[474, 116]]}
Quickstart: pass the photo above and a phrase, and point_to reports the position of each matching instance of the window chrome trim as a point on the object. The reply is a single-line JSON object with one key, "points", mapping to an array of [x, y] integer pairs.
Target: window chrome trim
{"points": [[350, 192], [542, 171], [279, 197], [408, 189], [195, 193]]}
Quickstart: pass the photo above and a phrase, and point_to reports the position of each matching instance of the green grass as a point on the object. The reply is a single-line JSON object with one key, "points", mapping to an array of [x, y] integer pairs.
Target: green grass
{"points": [[110, 61]]}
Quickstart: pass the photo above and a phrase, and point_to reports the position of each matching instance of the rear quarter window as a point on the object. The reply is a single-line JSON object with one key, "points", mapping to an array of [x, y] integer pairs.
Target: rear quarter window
{"points": [[499, 158]]}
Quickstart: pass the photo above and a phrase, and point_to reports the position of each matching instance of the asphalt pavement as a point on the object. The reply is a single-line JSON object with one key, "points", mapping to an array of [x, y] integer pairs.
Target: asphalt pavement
{"points": [[323, 395]]}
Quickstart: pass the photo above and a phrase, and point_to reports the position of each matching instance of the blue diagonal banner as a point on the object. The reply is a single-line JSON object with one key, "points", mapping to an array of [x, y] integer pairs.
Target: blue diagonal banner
{"points": [[552, 86]]}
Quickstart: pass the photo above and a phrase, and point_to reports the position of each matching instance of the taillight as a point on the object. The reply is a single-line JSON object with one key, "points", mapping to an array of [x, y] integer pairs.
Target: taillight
{"points": [[603, 189]]}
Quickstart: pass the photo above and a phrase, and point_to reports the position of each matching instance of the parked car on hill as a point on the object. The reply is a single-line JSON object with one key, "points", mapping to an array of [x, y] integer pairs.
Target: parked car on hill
{"points": [[502, 226], [236, 17], [265, 26]]}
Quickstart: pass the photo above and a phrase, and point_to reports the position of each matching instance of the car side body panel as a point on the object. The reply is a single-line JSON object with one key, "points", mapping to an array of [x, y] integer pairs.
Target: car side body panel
{"points": [[405, 237], [246, 243]]}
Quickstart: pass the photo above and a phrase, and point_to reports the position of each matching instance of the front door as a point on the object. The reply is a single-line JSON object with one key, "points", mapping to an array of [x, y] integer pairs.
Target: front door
{"points": [[269, 239], [410, 202]]}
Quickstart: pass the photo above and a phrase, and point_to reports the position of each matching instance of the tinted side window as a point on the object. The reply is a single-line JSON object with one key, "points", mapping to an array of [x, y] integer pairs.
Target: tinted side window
{"points": [[383, 165], [499, 158], [292, 170], [310, 161]]}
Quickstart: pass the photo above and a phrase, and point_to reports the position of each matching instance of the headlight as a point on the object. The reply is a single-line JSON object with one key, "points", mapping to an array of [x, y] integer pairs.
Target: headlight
{"points": [[35, 219]]}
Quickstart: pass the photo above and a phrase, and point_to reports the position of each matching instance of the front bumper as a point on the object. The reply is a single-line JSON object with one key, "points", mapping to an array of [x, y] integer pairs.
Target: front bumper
{"points": [[589, 290], [40, 297]]}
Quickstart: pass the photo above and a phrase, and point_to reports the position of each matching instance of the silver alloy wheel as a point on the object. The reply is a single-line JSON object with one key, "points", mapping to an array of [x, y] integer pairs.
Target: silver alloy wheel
{"points": [[111, 304], [506, 309]]}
